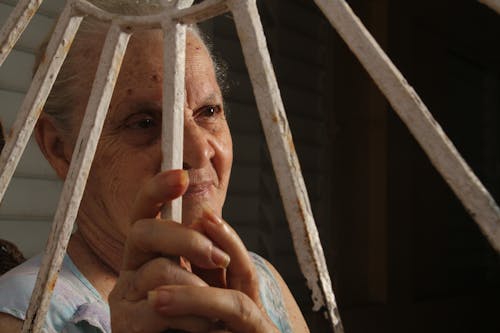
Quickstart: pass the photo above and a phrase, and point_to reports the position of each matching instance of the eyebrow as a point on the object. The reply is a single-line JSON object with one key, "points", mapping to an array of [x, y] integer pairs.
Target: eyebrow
{"points": [[212, 98], [147, 105]]}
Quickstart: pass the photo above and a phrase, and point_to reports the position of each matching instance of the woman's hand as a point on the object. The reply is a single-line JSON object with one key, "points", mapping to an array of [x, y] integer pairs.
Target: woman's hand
{"points": [[154, 293]]}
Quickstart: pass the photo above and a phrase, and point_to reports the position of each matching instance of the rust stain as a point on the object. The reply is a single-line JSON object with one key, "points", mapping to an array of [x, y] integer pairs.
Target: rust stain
{"points": [[301, 210], [274, 118], [43, 58], [290, 141], [52, 284]]}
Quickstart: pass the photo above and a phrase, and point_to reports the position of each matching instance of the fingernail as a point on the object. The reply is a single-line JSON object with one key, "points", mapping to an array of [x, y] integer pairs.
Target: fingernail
{"points": [[158, 297], [177, 178], [184, 177], [220, 258]]}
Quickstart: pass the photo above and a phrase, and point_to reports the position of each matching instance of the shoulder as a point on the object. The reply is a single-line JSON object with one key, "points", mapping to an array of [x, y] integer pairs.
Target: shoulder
{"points": [[276, 295], [9, 323], [73, 302], [16, 286]]}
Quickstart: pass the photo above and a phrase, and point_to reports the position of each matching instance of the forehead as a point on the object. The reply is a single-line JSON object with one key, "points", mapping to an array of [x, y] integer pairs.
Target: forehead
{"points": [[142, 68], [145, 53]]}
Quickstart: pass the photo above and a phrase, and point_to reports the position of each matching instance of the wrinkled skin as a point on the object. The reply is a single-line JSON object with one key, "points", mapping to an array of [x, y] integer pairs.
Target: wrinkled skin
{"points": [[123, 248]]}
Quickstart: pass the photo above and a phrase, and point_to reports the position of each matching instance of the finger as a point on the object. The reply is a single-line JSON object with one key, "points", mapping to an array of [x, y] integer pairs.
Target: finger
{"points": [[146, 319], [162, 188], [155, 273], [235, 309], [152, 238], [241, 274]]}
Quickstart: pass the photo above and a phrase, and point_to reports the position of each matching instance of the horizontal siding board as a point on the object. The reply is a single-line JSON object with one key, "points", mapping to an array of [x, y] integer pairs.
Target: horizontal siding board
{"points": [[244, 119], [246, 149], [35, 33], [30, 199], [11, 101], [301, 102], [293, 72], [15, 73], [33, 164], [299, 47], [311, 157], [241, 88], [308, 25], [29, 236], [232, 52], [250, 236], [225, 28], [245, 180], [307, 130], [48, 8]]}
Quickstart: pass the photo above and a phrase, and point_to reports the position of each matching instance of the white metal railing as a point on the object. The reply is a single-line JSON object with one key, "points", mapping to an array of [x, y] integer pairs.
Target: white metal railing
{"points": [[172, 20]]}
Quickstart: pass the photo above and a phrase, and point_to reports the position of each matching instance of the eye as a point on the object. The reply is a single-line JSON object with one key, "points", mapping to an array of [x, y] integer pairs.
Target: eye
{"points": [[142, 128], [141, 121], [209, 111]]}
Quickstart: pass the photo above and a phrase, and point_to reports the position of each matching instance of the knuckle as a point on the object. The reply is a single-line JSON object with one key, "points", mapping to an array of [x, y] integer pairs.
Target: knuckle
{"points": [[243, 307], [140, 232]]}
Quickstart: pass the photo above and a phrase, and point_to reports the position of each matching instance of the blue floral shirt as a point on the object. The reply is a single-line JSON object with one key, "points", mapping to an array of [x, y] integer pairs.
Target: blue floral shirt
{"points": [[76, 307]]}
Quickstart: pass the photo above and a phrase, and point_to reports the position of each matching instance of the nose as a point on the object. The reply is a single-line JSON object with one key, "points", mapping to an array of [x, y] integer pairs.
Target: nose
{"points": [[197, 148]]}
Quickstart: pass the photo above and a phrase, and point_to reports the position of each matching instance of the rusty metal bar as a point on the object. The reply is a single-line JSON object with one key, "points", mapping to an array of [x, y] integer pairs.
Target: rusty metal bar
{"points": [[17, 21], [417, 118], [183, 13], [493, 4], [172, 139], [36, 96], [284, 158], [201, 12], [83, 155]]}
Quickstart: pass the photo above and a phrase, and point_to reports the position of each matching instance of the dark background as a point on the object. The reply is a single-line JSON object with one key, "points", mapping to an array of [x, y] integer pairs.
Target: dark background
{"points": [[403, 254]]}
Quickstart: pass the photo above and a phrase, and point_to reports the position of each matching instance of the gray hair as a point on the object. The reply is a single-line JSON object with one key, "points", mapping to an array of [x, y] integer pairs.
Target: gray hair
{"points": [[70, 82]]}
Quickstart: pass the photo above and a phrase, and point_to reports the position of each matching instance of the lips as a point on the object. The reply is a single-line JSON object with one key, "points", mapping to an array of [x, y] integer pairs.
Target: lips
{"points": [[199, 189]]}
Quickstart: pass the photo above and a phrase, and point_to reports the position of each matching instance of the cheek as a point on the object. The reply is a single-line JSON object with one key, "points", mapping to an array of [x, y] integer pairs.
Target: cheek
{"points": [[118, 177], [224, 155]]}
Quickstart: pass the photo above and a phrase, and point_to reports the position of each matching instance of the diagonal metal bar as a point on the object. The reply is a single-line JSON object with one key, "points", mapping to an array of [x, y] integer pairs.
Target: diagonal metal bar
{"points": [[34, 100], [83, 155], [202, 11], [417, 118], [14, 26], [172, 138], [284, 158], [493, 4]]}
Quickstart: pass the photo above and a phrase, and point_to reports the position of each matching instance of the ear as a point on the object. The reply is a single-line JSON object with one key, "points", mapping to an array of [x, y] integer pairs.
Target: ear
{"points": [[53, 145]]}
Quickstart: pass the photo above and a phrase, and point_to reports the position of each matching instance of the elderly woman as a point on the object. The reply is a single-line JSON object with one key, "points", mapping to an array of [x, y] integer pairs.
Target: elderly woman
{"points": [[120, 273]]}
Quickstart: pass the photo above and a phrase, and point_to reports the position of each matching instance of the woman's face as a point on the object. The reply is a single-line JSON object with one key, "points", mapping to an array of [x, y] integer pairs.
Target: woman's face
{"points": [[129, 151]]}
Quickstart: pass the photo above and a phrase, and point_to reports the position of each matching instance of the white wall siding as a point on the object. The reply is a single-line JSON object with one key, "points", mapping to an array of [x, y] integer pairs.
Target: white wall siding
{"points": [[28, 207]]}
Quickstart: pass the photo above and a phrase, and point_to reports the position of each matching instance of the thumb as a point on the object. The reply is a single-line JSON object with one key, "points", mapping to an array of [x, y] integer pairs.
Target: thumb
{"points": [[163, 187]]}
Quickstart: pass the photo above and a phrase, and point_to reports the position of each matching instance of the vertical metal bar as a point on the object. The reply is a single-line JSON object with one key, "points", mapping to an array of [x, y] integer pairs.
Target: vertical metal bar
{"points": [[285, 162], [174, 60], [172, 138], [14, 26], [83, 155], [34, 100], [417, 118], [493, 4]]}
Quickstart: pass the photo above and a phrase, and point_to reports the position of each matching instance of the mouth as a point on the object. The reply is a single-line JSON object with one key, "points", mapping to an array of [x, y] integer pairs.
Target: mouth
{"points": [[198, 189]]}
